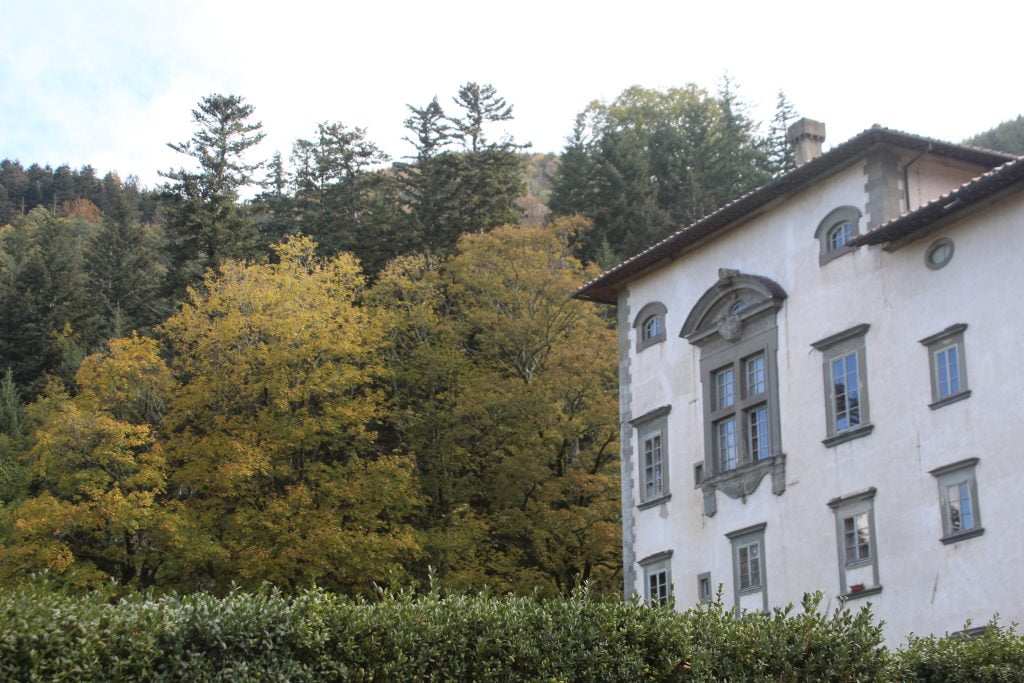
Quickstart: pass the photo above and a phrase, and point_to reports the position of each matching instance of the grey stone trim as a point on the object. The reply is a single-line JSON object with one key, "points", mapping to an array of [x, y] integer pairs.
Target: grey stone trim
{"points": [[753, 528], [744, 480], [867, 592], [701, 596], [652, 308], [750, 534], [848, 435], [866, 494], [627, 464], [730, 287], [843, 213], [654, 502], [849, 341], [956, 538], [954, 466], [951, 336], [833, 339], [952, 398], [650, 415], [882, 186], [710, 503], [958, 328], [655, 557], [844, 507], [960, 472], [930, 263]]}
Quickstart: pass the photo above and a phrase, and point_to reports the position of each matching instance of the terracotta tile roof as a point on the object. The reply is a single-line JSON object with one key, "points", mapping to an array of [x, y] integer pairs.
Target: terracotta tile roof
{"points": [[951, 204], [603, 288]]}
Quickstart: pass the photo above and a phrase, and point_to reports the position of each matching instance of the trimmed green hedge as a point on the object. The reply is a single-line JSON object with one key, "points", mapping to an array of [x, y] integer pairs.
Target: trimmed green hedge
{"points": [[48, 636]]}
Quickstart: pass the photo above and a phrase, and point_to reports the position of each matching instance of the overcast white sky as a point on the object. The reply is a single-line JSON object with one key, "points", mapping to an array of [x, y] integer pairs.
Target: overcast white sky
{"points": [[109, 82]]}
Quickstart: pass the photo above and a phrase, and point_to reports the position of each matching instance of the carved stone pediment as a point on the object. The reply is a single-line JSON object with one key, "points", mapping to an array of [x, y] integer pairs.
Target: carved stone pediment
{"points": [[743, 481]]}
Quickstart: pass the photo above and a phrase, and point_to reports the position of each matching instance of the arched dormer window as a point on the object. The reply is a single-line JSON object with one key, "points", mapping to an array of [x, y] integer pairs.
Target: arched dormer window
{"points": [[836, 231], [650, 325], [734, 326]]}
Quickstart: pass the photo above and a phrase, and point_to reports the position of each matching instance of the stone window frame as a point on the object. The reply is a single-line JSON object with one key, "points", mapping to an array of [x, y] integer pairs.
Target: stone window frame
{"points": [[951, 337], [659, 563], [705, 589], [847, 507], [651, 423], [960, 472], [840, 345], [744, 538], [735, 320], [650, 310], [827, 226]]}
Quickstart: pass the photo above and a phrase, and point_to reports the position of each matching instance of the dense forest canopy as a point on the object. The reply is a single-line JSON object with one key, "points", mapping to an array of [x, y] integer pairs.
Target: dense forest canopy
{"points": [[369, 370]]}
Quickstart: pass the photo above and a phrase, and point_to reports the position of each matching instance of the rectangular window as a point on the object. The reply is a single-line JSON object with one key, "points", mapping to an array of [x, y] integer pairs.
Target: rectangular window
{"points": [[727, 457], [750, 582], [858, 538], [725, 393], [757, 433], [657, 578], [855, 538], [948, 368], [947, 371], [958, 501], [750, 566], [846, 392], [704, 590], [757, 382], [657, 588], [846, 386], [654, 482], [652, 444]]}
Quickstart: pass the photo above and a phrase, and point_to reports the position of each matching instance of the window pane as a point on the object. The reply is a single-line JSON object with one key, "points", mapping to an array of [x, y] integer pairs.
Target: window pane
{"points": [[961, 517], [657, 588], [757, 422], [846, 392], [726, 430], [744, 561], [840, 235], [756, 382], [755, 564], [725, 393], [947, 369], [857, 538], [652, 327], [653, 477]]}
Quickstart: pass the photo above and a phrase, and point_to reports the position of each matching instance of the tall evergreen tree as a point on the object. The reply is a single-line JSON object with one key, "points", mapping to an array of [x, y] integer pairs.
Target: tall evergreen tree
{"points": [[205, 224], [651, 162], [780, 153], [471, 188]]}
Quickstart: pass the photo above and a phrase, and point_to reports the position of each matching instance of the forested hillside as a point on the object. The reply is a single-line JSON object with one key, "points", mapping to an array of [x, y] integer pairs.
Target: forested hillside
{"points": [[366, 370], [1008, 136]]}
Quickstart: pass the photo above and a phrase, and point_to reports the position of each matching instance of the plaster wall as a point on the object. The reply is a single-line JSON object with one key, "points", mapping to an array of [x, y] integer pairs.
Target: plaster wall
{"points": [[926, 586]]}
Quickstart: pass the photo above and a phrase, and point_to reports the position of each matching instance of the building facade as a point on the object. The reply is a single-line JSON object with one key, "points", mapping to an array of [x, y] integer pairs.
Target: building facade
{"points": [[815, 389]]}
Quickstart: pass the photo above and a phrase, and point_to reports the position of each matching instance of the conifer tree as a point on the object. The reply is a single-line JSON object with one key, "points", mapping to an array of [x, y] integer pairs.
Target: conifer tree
{"points": [[205, 224], [780, 154]]}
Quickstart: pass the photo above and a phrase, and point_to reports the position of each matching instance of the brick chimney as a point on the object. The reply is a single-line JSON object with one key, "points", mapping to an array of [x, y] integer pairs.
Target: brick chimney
{"points": [[805, 137]]}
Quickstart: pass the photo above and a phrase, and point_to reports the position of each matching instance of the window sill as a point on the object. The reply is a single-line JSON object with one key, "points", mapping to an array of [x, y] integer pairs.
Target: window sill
{"points": [[751, 590], [950, 399], [654, 502], [867, 592], [848, 435], [962, 536], [858, 563]]}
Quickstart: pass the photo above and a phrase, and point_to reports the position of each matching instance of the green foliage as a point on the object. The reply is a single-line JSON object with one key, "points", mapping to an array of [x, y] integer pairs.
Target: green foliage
{"points": [[651, 162], [319, 636], [205, 224], [992, 654], [1008, 136]]}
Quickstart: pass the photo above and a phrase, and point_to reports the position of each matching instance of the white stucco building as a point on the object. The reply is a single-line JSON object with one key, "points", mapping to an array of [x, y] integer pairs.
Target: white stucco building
{"points": [[815, 389]]}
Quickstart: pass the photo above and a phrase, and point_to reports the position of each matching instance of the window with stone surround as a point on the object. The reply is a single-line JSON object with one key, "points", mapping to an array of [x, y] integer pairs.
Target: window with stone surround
{"points": [[836, 231], [650, 325], [958, 501], [734, 325], [652, 442], [856, 546], [947, 364], [846, 385]]}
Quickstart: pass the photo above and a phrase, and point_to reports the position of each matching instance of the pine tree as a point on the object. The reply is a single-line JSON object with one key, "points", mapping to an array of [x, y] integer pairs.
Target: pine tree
{"points": [[205, 224], [780, 153]]}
